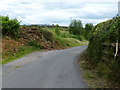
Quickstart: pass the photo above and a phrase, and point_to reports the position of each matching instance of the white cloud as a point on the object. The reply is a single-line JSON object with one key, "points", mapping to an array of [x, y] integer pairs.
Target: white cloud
{"points": [[59, 11]]}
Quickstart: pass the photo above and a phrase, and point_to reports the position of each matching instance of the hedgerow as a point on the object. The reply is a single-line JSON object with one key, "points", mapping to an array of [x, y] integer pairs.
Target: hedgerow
{"points": [[102, 49]]}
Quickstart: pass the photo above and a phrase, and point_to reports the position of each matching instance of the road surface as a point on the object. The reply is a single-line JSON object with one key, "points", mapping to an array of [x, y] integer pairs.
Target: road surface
{"points": [[58, 69]]}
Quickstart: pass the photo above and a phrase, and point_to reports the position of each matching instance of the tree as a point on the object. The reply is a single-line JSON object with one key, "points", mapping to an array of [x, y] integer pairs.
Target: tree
{"points": [[10, 27], [57, 29], [87, 30], [76, 27]]}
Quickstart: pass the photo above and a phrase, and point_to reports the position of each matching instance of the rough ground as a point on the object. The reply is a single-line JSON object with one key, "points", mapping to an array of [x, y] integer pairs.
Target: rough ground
{"points": [[53, 69]]}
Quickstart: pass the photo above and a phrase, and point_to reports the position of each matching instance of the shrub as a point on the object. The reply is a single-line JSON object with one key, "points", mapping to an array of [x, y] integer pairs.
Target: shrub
{"points": [[35, 45], [79, 37], [66, 34], [57, 29], [48, 35], [10, 27], [101, 51], [87, 30]]}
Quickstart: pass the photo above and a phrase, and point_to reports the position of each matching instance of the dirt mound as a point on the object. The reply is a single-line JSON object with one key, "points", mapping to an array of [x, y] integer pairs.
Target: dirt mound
{"points": [[29, 37], [41, 36], [10, 47]]}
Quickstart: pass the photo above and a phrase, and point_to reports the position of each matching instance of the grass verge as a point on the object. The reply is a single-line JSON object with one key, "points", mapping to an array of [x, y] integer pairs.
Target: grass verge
{"points": [[66, 39], [90, 73], [22, 53], [70, 42]]}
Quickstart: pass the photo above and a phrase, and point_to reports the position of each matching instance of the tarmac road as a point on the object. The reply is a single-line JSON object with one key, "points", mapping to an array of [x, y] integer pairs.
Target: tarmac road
{"points": [[58, 69]]}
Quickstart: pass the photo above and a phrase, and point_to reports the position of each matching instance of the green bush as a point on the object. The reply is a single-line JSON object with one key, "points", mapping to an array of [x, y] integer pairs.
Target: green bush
{"points": [[102, 56], [21, 49], [48, 35], [10, 27], [57, 29], [87, 30], [79, 37], [35, 45], [66, 34]]}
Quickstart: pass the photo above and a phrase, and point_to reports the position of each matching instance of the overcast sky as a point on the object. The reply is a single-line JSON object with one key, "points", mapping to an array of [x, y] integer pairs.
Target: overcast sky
{"points": [[59, 11]]}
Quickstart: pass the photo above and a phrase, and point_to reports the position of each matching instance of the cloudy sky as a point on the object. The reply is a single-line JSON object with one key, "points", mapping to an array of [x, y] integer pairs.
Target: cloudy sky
{"points": [[59, 11]]}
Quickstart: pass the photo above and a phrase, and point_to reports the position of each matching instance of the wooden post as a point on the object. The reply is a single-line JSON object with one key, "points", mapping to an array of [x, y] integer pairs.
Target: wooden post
{"points": [[116, 48]]}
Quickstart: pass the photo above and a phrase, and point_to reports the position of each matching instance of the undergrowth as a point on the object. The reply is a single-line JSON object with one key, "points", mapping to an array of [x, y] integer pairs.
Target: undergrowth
{"points": [[101, 51]]}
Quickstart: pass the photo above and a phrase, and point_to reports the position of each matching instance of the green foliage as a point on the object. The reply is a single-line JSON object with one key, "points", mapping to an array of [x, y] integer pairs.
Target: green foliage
{"points": [[87, 30], [57, 29], [35, 45], [47, 35], [76, 27], [69, 42], [102, 56], [65, 34], [23, 50], [10, 27], [103, 70], [66, 38], [79, 37]]}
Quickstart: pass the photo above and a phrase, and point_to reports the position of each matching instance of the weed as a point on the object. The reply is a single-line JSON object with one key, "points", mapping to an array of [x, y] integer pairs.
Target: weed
{"points": [[35, 45], [17, 67]]}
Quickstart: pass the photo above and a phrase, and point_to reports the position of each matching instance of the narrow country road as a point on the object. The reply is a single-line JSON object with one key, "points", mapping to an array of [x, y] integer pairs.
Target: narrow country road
{"points": [[58, 69]]}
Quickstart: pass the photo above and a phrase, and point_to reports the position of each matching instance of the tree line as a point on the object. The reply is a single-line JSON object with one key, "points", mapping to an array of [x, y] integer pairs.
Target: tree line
{"points": [[76, 28]]}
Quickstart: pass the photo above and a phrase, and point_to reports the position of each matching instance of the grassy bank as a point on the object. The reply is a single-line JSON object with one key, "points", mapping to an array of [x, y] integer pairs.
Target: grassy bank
{"points": [[91, 73], [34, 38], [66, 39], [101, 61], [24, 51]]}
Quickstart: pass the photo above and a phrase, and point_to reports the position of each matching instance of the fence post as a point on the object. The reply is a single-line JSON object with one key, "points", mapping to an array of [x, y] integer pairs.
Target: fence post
{"points": [[116, 48]]}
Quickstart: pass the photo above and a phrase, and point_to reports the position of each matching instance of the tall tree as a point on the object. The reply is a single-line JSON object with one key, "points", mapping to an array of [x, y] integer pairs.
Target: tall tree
{"points": [[88, 29], [76, 27]]}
